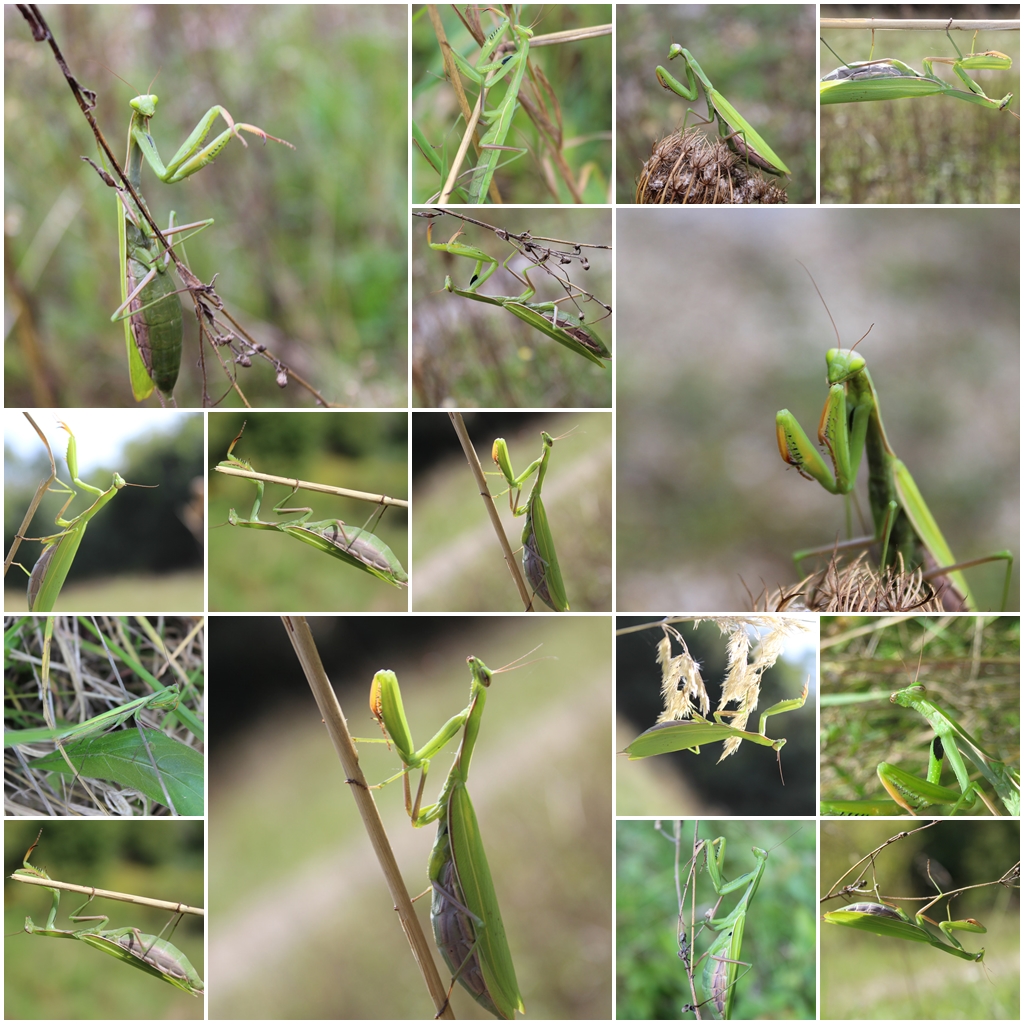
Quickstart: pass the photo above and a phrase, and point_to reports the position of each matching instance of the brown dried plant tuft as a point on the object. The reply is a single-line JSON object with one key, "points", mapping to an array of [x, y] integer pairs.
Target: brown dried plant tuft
{"points": [[688, 167], [856, 587]]}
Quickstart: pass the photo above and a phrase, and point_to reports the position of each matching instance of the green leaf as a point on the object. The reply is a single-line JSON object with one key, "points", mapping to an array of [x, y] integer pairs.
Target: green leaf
{"points": [[121, 757]]}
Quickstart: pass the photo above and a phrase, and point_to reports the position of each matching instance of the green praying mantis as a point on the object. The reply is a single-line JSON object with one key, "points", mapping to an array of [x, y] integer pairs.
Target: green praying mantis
{"points": [[486, 75], [910, 794], [891, 79], [667, 737], [148, 953], [740, 135], [892, 922], [59, 549], [722, 958], [540, 561], [144, 760], [850, 424], [149, 308], [565, 328], [464, 911], [353, 545]]}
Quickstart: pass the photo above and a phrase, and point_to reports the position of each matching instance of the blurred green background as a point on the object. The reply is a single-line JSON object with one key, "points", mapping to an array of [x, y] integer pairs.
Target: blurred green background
{"points": [[302, 925], [50, 979], [930, 149], [719, 328], [753, 780], [473, 354], [970, 666], [262, 570], [309, 245], [458, 561], [779, 938], [580, 77], [871, 977], [138, 553], [759, 56]]}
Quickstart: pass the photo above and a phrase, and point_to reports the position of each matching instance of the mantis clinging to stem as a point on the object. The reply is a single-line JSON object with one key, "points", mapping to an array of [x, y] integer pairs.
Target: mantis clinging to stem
{"points": [[540, 561], [464, 913], [732, 126], [567, 329], [964, 646], [59, 549], [150, 954], [884, 918], [850, 424], [355, 546], [891, 79], [149, 308]]}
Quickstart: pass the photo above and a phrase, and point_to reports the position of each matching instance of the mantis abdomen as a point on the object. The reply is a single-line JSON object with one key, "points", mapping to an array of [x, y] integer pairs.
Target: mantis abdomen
{"points": [[155, 312]]}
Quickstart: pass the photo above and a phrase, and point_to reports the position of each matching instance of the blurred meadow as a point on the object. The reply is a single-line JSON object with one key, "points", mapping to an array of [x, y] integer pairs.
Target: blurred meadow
{"points": [[761, 59], [263, 570], [458, 560], [719, 328], [309, 246], [144, 550], [302, 925], [571, 81], [874, 977], [470, 354], [929, 149], [47, 979]]}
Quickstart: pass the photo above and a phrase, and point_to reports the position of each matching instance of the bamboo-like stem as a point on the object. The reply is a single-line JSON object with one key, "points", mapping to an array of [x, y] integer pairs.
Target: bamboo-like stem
{"points": [[334, 718], [492, 512], [918, 24], [341, 492], [107, 894]]}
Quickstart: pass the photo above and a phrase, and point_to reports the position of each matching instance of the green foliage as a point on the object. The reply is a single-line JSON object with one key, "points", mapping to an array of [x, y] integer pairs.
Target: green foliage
{"points": [[856, 737], [309, 244], [780, 928], [580, 77]]}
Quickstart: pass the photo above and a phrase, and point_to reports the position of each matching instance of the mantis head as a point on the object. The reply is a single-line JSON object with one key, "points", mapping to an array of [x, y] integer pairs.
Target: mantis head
{"points": [[843, 364], [145, 105], [674, 51]]}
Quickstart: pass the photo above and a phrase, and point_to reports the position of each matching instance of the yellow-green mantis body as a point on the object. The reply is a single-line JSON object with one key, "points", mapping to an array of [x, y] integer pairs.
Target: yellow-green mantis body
{"points": [[464, 911], [565, 328], [540, 562], [499, 118], [722, 959], [883, 919], [148, 953], [850, 424], [149, 307], [910, 794], [667, 737], [353, 545], [59, 549], [891, 79], [732, 126]]}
